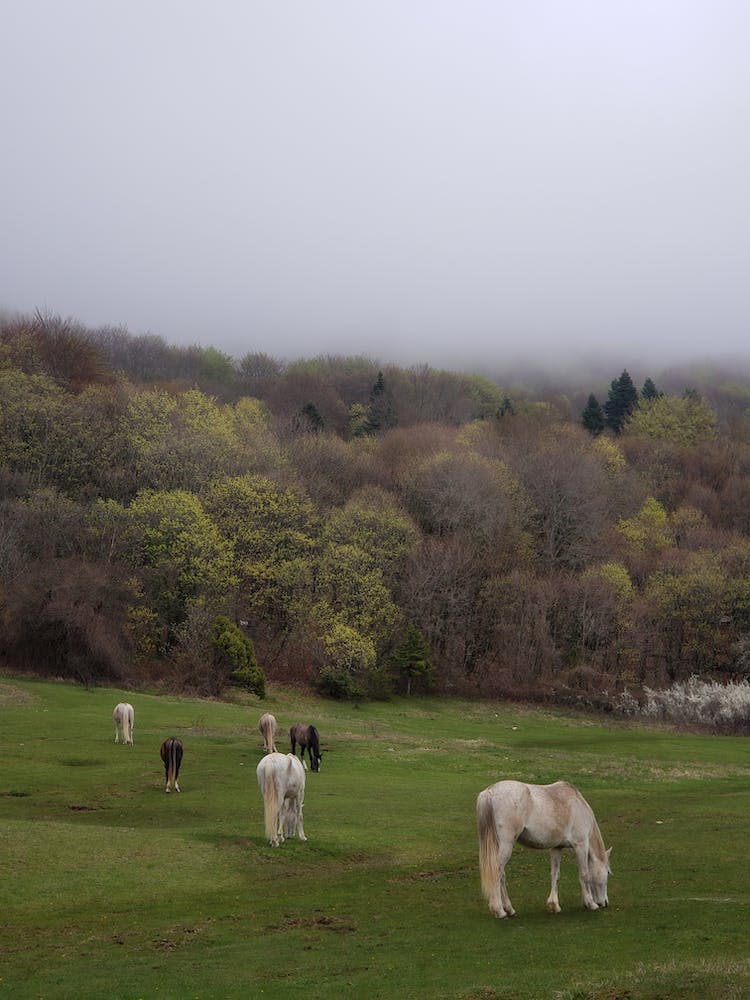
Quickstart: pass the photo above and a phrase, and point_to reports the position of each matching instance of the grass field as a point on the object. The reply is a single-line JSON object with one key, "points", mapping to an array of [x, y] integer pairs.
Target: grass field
{"points": [[110, 888]]}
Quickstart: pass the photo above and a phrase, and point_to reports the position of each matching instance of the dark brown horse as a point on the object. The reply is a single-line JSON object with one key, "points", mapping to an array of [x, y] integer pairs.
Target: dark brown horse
{"points": [[308, 739], [171, 754]]}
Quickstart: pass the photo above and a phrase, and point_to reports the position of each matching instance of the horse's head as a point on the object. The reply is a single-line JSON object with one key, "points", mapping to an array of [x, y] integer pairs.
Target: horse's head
{"points": [[599, 872], [316, 762]]}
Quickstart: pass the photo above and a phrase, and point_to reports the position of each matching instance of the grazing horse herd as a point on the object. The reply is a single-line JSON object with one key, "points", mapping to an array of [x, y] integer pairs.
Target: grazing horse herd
{"points": [[544, 817]]}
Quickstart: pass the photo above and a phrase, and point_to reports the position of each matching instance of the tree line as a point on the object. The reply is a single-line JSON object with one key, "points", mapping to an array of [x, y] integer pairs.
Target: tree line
{"points": [[171, 516]]}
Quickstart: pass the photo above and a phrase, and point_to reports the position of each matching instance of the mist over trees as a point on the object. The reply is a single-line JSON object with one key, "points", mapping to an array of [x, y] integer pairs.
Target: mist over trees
{"points": [[176, 517]]}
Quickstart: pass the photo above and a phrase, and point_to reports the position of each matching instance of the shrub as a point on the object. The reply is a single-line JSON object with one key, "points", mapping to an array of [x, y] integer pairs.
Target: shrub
{"points": [[694, 702], [236, 650]]}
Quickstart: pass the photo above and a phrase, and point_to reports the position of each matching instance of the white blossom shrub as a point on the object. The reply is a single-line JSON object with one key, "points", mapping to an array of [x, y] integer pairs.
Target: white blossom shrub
{"points": [[694, 702]]}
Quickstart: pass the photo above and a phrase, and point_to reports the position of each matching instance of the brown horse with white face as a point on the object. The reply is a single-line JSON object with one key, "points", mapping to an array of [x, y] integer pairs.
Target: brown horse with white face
{"points": [[545, 817]]}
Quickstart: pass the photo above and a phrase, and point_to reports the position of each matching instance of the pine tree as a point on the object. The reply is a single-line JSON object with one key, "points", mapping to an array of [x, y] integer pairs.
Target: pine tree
{"points": [[649, 390], [622, 400], [592, 416], [380, 413], [413, 657]]}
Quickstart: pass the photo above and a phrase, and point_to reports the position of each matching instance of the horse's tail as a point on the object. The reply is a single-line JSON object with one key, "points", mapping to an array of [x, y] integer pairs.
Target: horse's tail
{"points": [[268, 729], [127, 724], [489, 846], [171, 754], [270, 805]]}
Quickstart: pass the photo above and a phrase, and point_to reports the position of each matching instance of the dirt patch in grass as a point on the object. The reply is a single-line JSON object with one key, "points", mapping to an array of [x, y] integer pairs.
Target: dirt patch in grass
{"points": [[318, 921], [175, 938], [12, 695]]}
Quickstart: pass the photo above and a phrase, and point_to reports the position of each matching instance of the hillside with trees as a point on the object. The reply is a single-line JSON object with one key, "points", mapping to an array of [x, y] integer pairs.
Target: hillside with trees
{"points": [[178, 518]]}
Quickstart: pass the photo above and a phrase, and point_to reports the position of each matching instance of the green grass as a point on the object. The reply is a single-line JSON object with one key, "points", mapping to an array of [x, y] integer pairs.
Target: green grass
{"points": [[110, 888]]}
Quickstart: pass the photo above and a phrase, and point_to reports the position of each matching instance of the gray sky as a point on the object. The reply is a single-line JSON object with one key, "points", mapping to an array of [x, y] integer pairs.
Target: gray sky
{"points": [[414, 180]]}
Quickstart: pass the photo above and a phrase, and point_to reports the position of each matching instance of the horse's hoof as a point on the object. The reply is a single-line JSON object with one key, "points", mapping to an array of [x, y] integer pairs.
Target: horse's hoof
{"points": [[592, 906], [303, 838], [553, 907]]}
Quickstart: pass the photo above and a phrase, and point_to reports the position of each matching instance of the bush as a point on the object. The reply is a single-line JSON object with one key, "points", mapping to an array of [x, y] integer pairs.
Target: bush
{"points": [[235, 649], [694, 702]]}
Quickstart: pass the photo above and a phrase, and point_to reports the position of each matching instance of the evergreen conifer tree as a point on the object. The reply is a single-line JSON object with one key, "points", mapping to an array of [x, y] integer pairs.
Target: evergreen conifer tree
{"points": [[622, 399], [592, 416]]}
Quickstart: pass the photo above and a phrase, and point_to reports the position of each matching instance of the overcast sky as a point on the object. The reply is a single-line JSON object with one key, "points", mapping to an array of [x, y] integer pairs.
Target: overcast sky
{"points": [[414, 180]]}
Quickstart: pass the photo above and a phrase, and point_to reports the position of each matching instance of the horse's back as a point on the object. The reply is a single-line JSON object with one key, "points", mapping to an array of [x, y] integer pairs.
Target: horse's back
{"points": [[540, 816], [282, 768]]}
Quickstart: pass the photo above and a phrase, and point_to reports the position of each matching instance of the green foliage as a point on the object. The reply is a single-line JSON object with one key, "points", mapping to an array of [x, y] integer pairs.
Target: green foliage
{"points": [[268, 527], [622, 399], [648, 528], [31, 408], [412, 658], [692, 601], [216, 365], [373, 521], [522, 548], [236, 649], [592, 416], [686, 420], [181, 552], [349, 670]]}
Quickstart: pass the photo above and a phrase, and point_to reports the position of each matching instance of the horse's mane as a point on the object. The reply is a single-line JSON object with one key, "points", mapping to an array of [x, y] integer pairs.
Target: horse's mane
{"points": [[314, 738], [596, 842]]}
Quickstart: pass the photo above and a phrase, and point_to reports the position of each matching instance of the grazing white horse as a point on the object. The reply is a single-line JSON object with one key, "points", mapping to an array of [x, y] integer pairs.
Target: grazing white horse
{"points": [[123, 718], [267, 727], [171, 755], [281, 779], [546, 817]]}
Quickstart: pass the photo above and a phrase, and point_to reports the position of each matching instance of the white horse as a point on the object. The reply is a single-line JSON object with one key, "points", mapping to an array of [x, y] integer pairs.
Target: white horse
{"points": [[546, 817], [281, 779], [267, 727], [123, 717]]}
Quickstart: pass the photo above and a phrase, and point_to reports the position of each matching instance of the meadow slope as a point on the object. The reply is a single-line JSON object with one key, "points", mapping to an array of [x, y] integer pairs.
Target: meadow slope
{"points": [[112, 888]]}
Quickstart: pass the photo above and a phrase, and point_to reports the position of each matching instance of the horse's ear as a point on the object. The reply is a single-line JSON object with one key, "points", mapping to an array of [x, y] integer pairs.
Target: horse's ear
{"points": [[609, 851]]}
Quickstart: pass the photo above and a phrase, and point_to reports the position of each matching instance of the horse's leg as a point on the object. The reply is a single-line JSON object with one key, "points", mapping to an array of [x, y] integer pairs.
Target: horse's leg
{"points": [[582, 857], [300, 828], [553, 904], [507, 905], [500, 903]]}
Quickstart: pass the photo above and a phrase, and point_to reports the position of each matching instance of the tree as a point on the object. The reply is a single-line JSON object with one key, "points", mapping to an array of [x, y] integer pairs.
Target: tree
{"points": [[373, 521], [649, 390], [268, 527], [412, 658], [380, 413], [622, 399], [180, 554], [685, 420], [592, 416], [236, 649]]}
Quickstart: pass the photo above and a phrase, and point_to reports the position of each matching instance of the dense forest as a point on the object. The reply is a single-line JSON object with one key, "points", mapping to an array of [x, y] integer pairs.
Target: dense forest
{"points": [[175, 517]]}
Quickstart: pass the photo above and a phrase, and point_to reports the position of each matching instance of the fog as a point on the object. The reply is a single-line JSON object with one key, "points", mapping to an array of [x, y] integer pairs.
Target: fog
{"points": [[454, 183]]}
